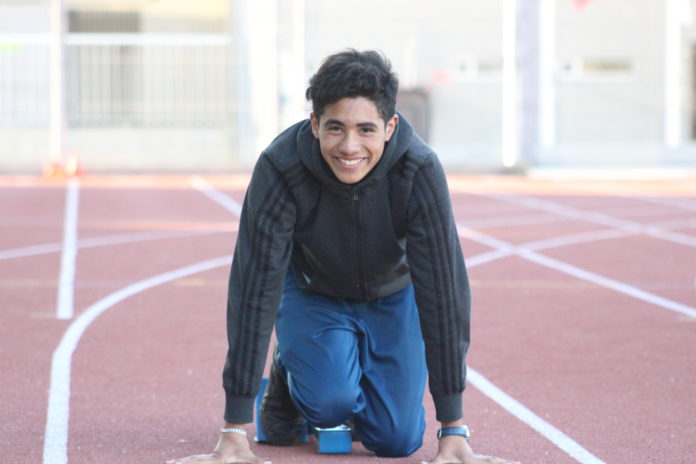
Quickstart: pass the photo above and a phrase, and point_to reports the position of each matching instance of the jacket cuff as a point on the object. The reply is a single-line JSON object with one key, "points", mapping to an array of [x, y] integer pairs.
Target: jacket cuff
{"points": [[239, 409], [448, 408]]}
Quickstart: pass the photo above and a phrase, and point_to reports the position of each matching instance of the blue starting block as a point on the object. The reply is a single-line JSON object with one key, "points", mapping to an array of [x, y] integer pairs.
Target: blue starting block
{"points": [[334, 440]]}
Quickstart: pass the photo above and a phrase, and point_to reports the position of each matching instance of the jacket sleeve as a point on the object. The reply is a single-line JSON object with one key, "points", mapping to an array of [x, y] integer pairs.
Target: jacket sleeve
{"points": [[259, 266], [441, 286]]}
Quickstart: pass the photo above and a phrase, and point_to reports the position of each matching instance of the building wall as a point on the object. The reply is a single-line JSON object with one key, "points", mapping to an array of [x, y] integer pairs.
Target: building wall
{"points": [[607, 83], [430, 45], [608, 76], [610, 114], [134, 102]]}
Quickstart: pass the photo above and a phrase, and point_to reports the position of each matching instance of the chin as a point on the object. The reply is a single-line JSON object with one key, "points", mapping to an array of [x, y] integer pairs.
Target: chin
{"points": [[350, 180]]}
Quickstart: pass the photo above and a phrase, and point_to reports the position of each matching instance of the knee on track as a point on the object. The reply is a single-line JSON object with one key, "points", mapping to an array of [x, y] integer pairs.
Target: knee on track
{"points": [[394, 443], [332, 409]]}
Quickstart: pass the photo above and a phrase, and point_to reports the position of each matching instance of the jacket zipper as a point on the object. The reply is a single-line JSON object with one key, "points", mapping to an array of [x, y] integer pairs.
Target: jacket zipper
{"points": [[358, 245]]}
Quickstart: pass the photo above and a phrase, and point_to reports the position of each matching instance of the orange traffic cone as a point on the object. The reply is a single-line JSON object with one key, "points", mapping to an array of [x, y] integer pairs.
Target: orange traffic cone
{"points": [[52, 169], [73, 166]]}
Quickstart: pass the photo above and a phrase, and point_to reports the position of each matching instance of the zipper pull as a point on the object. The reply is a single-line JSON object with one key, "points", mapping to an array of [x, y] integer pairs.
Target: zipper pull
{"points": [[355, 195]]}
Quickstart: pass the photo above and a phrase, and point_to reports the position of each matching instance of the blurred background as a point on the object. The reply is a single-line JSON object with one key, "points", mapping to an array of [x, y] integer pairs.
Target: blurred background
{"points": [[203, 86]]}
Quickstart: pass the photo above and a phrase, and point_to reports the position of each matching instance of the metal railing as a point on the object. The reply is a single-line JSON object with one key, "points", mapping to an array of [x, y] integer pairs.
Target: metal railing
{"points": [[120, 80]]}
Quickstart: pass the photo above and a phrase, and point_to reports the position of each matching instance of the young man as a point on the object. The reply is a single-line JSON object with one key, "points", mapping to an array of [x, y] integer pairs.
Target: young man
{"points": [[347, 244]]}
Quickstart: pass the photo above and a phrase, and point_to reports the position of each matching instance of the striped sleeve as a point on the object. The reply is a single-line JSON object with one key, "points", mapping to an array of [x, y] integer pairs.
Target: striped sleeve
{"points": [[441, 286], [259, 265]]}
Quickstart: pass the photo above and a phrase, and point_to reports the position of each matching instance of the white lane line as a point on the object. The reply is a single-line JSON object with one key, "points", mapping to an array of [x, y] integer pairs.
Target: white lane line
{"points": [[574, 239], [599, 218], [33, 250], [516, 220], [675, 237], [676, 224], [488, 240], [608, 283], [517, 409], [94, 242], [505, 248], [674, 202], [514, 407], [119, 239], [636, 211], [56, 435], [66, 282], [217, 196], [487, 257]]}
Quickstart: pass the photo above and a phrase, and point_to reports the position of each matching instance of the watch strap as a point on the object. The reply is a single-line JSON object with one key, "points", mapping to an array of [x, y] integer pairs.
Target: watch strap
{"points": [[462, 431]]}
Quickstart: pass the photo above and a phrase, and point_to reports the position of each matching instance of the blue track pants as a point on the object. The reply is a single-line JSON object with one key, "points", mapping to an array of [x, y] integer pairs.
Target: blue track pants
{"points": [[361, 361]]}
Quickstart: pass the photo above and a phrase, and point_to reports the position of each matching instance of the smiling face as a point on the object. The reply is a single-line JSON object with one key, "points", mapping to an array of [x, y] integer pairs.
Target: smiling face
{"points": [[351, 136]]}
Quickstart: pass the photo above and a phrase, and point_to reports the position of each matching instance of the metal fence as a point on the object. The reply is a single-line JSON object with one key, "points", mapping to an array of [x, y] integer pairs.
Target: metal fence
{"points": [[121, 80], [24, 82]]}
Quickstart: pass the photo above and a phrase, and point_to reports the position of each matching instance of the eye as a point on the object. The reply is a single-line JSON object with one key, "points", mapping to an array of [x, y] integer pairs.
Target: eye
{"points": [[333, 128], [367, 130]]}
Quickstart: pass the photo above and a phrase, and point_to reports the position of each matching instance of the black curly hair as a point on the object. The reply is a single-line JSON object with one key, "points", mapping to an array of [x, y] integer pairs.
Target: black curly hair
{"points": [[351, 74]]}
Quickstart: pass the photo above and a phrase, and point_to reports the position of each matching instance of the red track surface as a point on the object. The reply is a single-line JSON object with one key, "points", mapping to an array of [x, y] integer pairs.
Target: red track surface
{"points": [[613, 372]]}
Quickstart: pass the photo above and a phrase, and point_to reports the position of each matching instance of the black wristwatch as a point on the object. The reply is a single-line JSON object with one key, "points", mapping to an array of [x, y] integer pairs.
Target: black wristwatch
{"points": [[462, 431]]}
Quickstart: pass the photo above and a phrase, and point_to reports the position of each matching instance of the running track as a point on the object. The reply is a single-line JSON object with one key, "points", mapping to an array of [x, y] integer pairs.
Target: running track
{"points": [[112, 319]]}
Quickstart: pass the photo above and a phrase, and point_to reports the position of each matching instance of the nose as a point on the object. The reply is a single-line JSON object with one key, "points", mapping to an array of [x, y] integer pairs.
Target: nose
{"points": [[350, 144]]}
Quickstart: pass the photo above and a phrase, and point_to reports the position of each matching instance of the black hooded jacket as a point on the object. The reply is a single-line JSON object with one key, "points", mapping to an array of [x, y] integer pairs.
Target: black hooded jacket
{"points": [[357, 242]]}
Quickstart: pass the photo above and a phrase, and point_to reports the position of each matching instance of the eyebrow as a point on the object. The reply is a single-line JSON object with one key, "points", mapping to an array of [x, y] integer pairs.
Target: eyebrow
{"points": [[360, 124]]}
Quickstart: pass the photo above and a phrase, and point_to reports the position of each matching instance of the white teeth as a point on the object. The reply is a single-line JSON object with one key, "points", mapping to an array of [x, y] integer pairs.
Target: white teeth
{"points": [[350, 162]]}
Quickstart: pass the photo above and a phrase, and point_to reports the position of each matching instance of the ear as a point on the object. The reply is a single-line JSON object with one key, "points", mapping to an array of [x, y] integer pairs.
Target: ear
{"points": [[391, 125], [315, 124]]}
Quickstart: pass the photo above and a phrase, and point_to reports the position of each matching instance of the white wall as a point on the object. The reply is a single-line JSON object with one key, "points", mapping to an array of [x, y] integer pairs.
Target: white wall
{"points": [[452, 49], [426, 42], [601, 119]]}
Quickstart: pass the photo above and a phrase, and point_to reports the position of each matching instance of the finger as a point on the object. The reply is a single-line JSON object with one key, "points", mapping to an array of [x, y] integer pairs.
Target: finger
{"points": [[503, 461], [249, 459], [180, 460], [495, 460], [254, 459], [248, 462], [197, 458]]}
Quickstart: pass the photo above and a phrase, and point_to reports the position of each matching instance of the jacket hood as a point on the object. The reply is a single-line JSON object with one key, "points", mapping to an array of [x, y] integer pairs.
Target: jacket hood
{"points": [[310, 155]]}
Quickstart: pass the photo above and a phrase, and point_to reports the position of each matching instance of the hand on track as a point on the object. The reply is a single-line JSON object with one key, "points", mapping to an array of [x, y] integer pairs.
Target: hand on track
{"points": [[232, 448], [456, 450]]}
